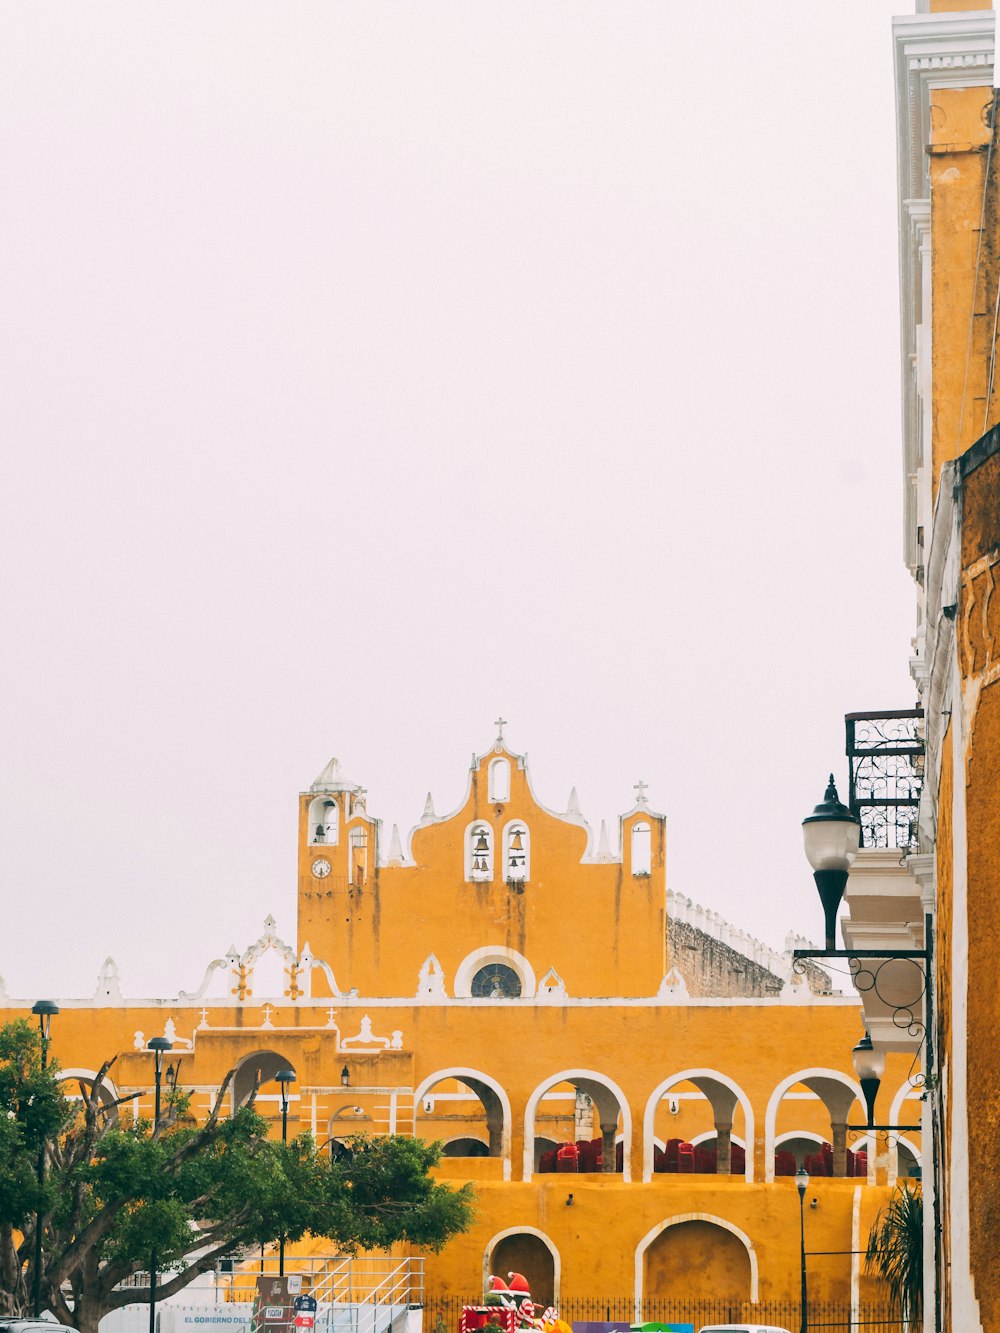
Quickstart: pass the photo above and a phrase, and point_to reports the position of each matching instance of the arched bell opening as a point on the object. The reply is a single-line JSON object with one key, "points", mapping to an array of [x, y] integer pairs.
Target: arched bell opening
{"points": [[323, 821]]}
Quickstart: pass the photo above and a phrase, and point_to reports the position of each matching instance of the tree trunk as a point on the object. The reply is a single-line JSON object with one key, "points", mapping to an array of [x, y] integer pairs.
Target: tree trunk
{"points": [[88, 1315]]}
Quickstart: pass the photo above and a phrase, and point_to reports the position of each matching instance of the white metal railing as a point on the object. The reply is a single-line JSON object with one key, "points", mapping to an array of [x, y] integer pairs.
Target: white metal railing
{"points": [[354, 1294]]}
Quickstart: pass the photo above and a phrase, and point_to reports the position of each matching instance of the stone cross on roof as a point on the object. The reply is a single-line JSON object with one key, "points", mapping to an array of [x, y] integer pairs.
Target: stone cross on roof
{"points": [[500, 723], [640, 792]]}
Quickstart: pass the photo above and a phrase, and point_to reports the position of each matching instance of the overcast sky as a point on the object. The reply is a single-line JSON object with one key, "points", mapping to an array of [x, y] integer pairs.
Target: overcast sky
{"points": [[371, 369]]}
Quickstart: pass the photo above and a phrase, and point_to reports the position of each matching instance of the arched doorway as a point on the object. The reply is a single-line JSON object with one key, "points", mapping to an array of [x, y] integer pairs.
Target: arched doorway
{"points": [[697, 1260], [527, 1253]]}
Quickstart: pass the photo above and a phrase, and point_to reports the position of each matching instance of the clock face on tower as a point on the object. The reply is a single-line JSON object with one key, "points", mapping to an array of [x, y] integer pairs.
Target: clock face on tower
{"points": [[321, 867]]}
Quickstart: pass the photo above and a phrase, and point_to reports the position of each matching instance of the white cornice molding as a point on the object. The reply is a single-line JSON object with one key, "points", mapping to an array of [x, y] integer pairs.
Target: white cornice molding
{"points": [[934, 51], [931, 51]]}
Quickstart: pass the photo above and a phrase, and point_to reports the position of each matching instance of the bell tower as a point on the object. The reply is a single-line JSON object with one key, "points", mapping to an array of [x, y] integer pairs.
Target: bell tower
{"points": [[338, 849]]}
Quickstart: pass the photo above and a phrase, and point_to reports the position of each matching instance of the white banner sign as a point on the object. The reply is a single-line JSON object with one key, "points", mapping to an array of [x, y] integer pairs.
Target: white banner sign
{"points": [[204, 1318]]}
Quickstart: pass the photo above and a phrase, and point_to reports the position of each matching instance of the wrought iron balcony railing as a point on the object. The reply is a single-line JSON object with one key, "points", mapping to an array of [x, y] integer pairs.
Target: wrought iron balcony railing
{"points": [[885, 752]]}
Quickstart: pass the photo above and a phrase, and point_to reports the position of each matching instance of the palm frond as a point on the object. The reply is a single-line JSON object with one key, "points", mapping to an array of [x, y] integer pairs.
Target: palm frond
{"points": [[896, 1251]]}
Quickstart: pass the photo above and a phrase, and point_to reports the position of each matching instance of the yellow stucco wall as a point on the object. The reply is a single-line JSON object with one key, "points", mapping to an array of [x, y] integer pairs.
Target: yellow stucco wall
{"points": [[979, 639], [962, 307]]}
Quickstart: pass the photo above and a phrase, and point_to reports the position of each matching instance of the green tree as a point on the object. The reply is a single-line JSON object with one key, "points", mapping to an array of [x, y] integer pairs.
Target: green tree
{"points": [[115, 1191], [896, 1252]]}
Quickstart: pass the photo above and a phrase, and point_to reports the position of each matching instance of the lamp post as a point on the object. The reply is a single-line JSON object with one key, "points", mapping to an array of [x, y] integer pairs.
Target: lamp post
{"points": [[158, 1045], [832, 835], [802, 1184], [832, 838], [45, 1010], [283, 1077], [869, 1065]]}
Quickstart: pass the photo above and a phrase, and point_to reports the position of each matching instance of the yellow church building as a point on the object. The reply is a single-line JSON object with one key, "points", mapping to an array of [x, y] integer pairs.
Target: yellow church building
{"points": [[629, 1082]]}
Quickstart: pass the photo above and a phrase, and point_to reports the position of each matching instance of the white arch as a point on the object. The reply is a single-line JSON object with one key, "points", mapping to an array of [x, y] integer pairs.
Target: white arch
{"points": [[494, 953], [799, 1134], [771, 1115], [650, 1236], [906, 1091], [88, 1076], [904, 1141], [571, 1076], [461, 1073], [526, 1231], [464, 1138], [710, 1134], [863, 1144], [686, 1075]]}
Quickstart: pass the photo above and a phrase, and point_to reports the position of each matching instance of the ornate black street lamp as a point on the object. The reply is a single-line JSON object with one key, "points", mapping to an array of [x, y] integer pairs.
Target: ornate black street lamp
{"points": [[283, 1078], [45, 1009], [831, 835], [802, 1184], [158, 1045]]}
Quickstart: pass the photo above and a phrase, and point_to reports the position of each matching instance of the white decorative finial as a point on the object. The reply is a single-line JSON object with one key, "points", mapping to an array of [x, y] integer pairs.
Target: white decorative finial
{"points": [[640, 793], [429, 807], [573, 806], [395, 847], [500, 723]]}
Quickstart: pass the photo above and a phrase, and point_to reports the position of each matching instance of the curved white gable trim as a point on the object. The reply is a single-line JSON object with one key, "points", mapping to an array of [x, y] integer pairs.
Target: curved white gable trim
{"points": [[526, 1231], [659, 1092], [570, 1076], [771, 1115], [494, 953], [650, 1236], [461, 1073]]}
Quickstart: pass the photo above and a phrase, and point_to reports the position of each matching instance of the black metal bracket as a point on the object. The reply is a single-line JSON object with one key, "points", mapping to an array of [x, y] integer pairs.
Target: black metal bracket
{"points": [[885, 1129]]}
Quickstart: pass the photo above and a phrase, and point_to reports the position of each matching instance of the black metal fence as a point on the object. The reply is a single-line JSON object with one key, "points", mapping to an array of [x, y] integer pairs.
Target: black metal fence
{"points": [[886, 756], [441, 1313]]}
